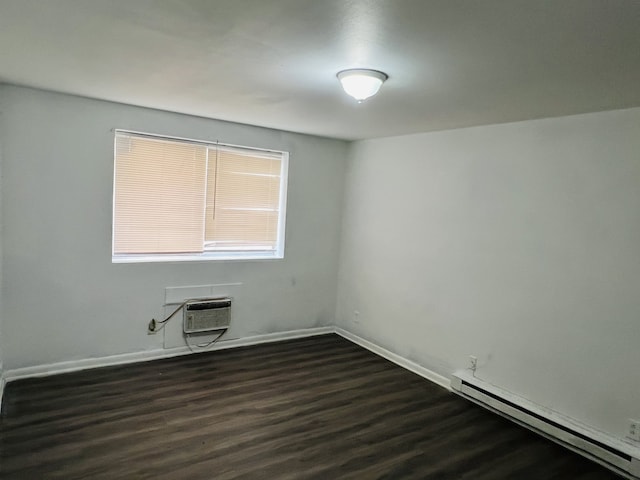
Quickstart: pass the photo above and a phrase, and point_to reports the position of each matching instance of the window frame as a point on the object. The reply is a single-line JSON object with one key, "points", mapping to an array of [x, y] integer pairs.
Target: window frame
{"points": [[210, 254]]}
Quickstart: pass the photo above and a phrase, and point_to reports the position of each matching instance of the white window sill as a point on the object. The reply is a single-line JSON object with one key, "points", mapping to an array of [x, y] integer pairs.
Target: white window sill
{"points": [[202, 257]]}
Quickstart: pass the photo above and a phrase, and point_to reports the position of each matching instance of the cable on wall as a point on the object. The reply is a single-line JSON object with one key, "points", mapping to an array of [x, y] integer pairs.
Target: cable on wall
{"points": [[204, 345], [153, 324]]}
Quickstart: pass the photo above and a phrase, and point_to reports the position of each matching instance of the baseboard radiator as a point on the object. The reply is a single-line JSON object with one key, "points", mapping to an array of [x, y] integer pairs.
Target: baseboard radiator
{"points": [[618, 456]]}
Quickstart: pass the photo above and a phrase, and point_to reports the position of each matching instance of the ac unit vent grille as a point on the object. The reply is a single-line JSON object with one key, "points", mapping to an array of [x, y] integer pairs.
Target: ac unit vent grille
{"points": [[207, 315]]}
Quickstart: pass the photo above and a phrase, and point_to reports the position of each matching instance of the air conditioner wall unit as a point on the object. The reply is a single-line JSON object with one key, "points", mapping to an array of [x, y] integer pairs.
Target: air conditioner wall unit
{"points": [[207, 315]]}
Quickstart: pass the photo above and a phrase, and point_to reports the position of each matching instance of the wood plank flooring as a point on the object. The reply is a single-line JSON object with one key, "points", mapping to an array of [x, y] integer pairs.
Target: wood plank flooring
{"points": [[316, 408]]}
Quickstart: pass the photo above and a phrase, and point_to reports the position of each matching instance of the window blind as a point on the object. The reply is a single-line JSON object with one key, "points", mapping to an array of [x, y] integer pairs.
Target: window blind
{"points": [[243, 200], [159, 196], [181, 197]]}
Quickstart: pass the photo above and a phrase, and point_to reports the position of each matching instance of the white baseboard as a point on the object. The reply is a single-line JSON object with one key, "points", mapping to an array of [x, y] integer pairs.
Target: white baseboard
{"points": [[75, 365], [2, 383], [397, 359], [149, 355], [145, 356]]}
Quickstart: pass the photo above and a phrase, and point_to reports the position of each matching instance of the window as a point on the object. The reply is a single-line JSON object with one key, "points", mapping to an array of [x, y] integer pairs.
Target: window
{"points": [[176, 199]]}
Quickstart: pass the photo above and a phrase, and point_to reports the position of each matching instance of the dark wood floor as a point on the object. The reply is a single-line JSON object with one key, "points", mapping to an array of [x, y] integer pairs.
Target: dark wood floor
{"points": [[319, 408]]}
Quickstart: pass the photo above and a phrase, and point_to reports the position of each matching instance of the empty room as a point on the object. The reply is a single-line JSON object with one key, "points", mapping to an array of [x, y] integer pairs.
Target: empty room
{"points": [[338, 239]]}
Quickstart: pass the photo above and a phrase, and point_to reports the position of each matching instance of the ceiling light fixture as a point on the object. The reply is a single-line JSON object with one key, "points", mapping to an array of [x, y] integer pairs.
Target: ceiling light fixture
{"points": [[361, 83]]}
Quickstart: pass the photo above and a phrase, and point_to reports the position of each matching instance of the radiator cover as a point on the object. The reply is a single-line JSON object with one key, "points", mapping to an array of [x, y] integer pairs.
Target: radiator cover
{"points": [[619, 457]]}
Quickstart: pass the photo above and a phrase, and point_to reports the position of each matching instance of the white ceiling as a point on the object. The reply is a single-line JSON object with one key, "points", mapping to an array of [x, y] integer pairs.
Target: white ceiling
{"points": [[451, 63]]}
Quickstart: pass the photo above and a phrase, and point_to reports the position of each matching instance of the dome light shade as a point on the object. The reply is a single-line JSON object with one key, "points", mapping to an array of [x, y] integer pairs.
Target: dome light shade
{"points": [[361, 83]]}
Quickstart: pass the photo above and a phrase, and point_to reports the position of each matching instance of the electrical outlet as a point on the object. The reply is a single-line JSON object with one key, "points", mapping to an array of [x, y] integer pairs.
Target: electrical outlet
{"points": [[633, 431], [473, 363], [356, 316]]}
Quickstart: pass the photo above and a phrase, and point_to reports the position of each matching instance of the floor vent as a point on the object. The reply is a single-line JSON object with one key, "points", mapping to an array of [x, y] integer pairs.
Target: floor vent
{"points": [[618, 456], [207, 315]]}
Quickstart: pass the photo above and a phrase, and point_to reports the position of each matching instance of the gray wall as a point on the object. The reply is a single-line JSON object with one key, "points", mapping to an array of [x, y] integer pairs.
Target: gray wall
{"points": [[1, 242], [65, 300], [516, 243]]}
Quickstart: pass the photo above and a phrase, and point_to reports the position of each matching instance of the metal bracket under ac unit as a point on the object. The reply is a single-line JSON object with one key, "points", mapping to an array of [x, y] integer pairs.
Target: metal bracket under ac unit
{"points": [[207, 315]]}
